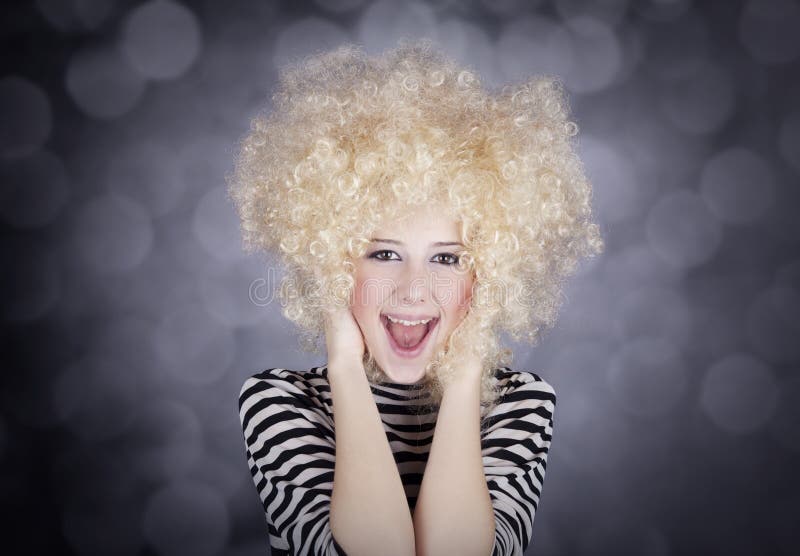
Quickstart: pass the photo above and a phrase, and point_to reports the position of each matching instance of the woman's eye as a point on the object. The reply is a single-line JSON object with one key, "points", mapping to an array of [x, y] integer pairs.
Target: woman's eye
{"points": [[382, 255], [388, 255], [450, 259]]}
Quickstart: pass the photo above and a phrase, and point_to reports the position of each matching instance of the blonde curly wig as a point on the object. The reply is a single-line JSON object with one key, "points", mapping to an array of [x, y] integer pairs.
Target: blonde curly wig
{"points": [[353, 139]]}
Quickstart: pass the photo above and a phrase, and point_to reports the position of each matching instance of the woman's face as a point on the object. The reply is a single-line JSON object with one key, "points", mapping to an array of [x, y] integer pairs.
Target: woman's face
{"points": [[409, 273]]}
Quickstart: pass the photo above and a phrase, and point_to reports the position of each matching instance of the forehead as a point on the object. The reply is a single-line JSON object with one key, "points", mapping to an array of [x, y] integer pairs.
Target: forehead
{"points": [[427, 224]]}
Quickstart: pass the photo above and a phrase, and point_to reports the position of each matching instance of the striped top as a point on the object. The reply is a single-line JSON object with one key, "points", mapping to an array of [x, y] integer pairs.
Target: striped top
{"points": [[288, 425]]}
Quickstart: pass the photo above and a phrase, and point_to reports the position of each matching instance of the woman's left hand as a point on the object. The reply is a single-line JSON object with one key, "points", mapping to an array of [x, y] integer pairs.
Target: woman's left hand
{"points": [[470, 366]]}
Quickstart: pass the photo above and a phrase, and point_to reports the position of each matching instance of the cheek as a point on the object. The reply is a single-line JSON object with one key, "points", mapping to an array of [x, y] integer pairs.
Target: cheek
{"points": [[361, 301], [455, 298], [358, 292]]}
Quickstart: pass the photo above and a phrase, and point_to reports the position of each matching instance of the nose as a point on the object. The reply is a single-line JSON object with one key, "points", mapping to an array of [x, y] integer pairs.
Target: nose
{"points": [[414, 286]]}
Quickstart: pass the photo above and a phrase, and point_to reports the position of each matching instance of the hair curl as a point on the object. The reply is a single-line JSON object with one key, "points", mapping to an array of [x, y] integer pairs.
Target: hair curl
{"points": [[353, 139]]}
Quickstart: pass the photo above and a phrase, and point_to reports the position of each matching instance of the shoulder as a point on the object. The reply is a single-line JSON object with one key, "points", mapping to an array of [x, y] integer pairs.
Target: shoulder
{"points": [[526, 402], [517, 384], [277, 384]]}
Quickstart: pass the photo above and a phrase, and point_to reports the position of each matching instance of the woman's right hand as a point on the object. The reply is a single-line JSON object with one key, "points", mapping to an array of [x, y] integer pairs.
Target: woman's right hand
{"points": [[343, 336]]}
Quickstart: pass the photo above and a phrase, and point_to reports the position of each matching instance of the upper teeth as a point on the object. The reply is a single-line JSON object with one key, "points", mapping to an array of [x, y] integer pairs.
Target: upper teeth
{"points": [[409, 322]]}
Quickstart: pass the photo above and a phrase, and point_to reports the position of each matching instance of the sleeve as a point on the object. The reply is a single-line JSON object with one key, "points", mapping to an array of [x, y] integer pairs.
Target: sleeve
{"points": [[514, 448], [291, 453]]}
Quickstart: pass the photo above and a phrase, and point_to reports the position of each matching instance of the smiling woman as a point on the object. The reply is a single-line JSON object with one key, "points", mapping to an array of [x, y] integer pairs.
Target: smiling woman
{"points": [[410, 293], [418, 215]]}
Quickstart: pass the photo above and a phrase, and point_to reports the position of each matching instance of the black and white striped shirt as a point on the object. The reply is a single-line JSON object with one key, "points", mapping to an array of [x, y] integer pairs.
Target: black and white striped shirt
{"points": [[288, 427]]}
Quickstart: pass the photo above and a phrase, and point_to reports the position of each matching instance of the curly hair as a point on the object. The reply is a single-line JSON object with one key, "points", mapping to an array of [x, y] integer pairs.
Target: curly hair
{"points": [[353, 139]]}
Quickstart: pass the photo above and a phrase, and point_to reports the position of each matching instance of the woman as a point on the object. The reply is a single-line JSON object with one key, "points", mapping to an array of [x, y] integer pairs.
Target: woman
{"points": [[418, 215]]}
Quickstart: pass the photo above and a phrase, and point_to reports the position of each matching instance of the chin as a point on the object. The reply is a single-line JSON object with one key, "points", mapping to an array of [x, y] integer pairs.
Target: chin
{"points": [[398, 372], [409, 376]]}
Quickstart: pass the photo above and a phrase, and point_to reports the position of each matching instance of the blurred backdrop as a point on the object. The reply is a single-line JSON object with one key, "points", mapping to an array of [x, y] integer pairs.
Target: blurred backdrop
{"points": [[131, 315]]}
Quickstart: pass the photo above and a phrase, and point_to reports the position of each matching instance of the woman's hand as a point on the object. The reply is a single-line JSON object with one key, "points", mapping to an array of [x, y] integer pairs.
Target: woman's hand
{"points": [[470, 363], [343, 336], [469, 371]]}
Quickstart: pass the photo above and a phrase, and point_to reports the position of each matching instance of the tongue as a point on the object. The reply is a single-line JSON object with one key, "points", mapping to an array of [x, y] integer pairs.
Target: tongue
{"points": [[407, 336]]}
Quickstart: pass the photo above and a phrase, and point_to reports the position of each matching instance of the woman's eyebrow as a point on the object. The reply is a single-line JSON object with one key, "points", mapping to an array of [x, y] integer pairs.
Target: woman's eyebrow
{"points": [[435, 244]]}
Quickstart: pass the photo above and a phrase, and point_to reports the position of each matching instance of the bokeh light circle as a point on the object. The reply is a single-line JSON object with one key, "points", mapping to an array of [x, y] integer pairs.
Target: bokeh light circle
{"points": [[656, 311], [194, 346], [594, 455], [598, 55], [102, 84], [636, 266], [306, 36], [700, 103], [161, 39], [648, 376], [174, 440], [768, 30], [739, 393], [129, 336], [469, 43], [672, 60], [737, 185], [113, 233], [385, 22], [682, 230], [229, 299], [547, 45], [588, 311], [146, 172], [215, 226], [617, 193]]}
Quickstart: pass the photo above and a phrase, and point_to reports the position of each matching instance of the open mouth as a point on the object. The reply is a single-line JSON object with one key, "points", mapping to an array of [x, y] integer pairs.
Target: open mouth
{"points": [[405, 344]]}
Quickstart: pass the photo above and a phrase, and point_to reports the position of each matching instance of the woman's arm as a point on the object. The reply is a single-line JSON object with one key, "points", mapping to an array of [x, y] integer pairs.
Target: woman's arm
{"points": [[514, 451], [369, 512], [454, 512], [290, 451]]}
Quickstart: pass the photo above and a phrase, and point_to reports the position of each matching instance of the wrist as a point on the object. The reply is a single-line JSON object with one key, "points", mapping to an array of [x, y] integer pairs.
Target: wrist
{"points": [[469, 375]]}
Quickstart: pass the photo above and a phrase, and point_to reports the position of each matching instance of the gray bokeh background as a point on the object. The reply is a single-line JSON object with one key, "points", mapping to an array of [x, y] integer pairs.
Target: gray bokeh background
{"points": [[128, 323]]}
